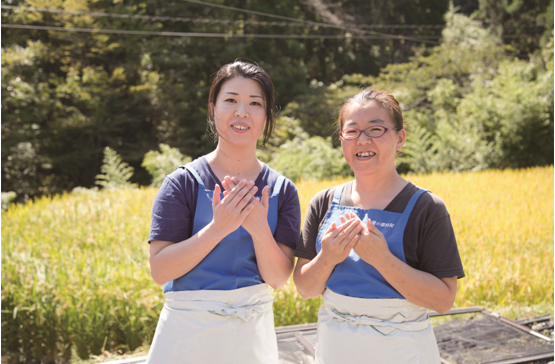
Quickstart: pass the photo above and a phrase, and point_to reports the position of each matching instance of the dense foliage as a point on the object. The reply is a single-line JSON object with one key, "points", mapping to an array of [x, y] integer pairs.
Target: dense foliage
{"points": [[68, 95], [75, 277], [468, 104]]}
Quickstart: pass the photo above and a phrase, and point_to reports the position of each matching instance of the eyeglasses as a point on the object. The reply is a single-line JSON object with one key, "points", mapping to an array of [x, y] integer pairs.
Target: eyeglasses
{"points": [[375, 131]]}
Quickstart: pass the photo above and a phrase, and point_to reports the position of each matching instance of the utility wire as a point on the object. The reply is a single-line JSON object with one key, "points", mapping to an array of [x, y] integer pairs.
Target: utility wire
{"points": [[161, 18], [223, 21], [299, 21], [189, 34], [215, 35], [258, 13], [351, 29]]}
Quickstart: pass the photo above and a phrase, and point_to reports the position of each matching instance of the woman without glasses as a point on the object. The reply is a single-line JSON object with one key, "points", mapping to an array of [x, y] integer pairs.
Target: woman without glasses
{"points": [[379, 249], [218, 253]]}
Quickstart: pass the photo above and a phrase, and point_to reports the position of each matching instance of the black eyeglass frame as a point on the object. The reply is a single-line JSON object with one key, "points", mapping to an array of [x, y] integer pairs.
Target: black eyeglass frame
{"points": [[385, 129]]}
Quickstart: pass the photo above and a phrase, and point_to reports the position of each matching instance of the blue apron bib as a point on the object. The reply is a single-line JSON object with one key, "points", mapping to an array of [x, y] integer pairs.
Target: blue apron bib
{"points": [[354, 277], [232, 263]]}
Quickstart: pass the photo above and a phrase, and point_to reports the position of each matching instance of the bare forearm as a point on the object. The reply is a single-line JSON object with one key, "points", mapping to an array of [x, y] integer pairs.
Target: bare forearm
{"points": [[274, 265], [420, 288], [174, 260], [311, 278]]}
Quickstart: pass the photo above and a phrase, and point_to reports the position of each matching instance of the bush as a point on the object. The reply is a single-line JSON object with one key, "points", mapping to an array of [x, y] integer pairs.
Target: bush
{"points": [[310, 159], [160, 164], [7, 198], [115, 173]]}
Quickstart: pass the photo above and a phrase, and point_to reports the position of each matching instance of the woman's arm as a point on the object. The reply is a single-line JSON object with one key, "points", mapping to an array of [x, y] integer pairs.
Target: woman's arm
{"points": [[420, 288], [172, 260], [275, 261], [311, 276]]}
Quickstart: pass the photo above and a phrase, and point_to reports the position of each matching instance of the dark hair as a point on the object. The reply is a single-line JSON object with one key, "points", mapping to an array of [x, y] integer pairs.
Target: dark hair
{"points": [[384, 98], [248, 71]]}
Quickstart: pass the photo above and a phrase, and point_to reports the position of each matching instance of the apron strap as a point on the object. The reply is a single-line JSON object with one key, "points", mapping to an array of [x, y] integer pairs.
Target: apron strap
{"points": [[337, 194], [195, 174], [413, 200], [277, 186]]}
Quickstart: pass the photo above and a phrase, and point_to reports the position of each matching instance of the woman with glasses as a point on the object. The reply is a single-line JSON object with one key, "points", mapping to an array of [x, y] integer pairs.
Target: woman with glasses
{"points": [[218, 249], [379, 249]]}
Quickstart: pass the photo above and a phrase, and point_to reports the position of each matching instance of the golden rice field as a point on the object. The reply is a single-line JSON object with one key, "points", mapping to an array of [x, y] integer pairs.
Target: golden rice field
{"points": [[76, 282]]}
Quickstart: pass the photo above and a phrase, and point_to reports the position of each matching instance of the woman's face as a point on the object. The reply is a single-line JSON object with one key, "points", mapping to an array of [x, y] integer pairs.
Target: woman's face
{"points": [[240, 111], [368, 155]]}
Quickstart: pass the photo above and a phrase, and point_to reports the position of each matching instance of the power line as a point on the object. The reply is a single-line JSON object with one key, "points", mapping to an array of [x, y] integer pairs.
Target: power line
{"points": [[215, 35], [256, 12], [148, 17], [222, 21], [191, 34], [509, 36], [351, 29], [161, 18], [298, 23]]}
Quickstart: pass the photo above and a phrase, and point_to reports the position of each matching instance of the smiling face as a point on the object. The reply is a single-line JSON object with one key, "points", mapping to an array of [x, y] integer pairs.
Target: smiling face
{"points": [[368, 155], [240, 111]]}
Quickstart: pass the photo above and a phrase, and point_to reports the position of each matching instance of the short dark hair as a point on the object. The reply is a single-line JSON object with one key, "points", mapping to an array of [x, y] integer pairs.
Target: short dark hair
{"points": [[384, 98], [248, 71]]}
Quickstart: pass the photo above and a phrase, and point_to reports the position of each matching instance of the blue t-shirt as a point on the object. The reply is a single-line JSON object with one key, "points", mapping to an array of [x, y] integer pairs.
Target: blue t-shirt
{"points": [[174, 207]]}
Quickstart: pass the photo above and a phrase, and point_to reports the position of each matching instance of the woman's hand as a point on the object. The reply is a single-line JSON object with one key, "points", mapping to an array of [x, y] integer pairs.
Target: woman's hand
{"points": [[230, 213], [371, 246], [274, 260], [338, 241], [311, 276], [258, 215], [418, 287]]}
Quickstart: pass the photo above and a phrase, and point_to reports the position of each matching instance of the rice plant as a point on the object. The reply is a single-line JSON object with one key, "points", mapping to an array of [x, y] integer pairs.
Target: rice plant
{"points": [[76, 281]]}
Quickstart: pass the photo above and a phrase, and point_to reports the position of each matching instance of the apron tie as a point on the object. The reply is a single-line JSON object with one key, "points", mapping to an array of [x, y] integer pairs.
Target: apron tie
{"points": [[384, 327], [244, 303], [243, 312]]}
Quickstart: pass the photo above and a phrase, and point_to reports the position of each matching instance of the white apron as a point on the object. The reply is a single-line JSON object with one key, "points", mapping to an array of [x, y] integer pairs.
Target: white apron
{"points": [[374, 331], [210, 326]]}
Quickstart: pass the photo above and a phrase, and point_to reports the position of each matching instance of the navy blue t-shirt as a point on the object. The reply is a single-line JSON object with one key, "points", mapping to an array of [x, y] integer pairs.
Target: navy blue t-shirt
{"points": [[173, 211]]}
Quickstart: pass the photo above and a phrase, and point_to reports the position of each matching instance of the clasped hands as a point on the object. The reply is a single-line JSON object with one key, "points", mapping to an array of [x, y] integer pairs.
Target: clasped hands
{"points": [[239, 207], [366, 240]]}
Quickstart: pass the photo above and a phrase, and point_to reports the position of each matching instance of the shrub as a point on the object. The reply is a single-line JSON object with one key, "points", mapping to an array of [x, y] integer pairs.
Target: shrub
{"points": [[160, 164], [310, 159], [7, 198], [115, 173]]}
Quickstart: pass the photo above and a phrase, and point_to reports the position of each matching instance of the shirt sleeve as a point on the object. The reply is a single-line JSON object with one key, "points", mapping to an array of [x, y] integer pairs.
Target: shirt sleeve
{"points": [[289, 216], [437, 252], [317, 210], [172, 216]]}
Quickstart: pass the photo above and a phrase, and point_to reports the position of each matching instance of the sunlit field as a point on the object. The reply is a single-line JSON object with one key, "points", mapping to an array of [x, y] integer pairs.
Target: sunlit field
{"points": [[76, 281]]}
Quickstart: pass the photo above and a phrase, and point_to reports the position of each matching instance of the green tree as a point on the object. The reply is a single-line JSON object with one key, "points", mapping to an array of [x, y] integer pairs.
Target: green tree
{"points": [[525, 25], [470, 106], [68, 95]]}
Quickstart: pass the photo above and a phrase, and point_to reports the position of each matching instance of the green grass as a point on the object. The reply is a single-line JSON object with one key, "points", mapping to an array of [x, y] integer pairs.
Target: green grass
{"points": [[76, 281]]}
